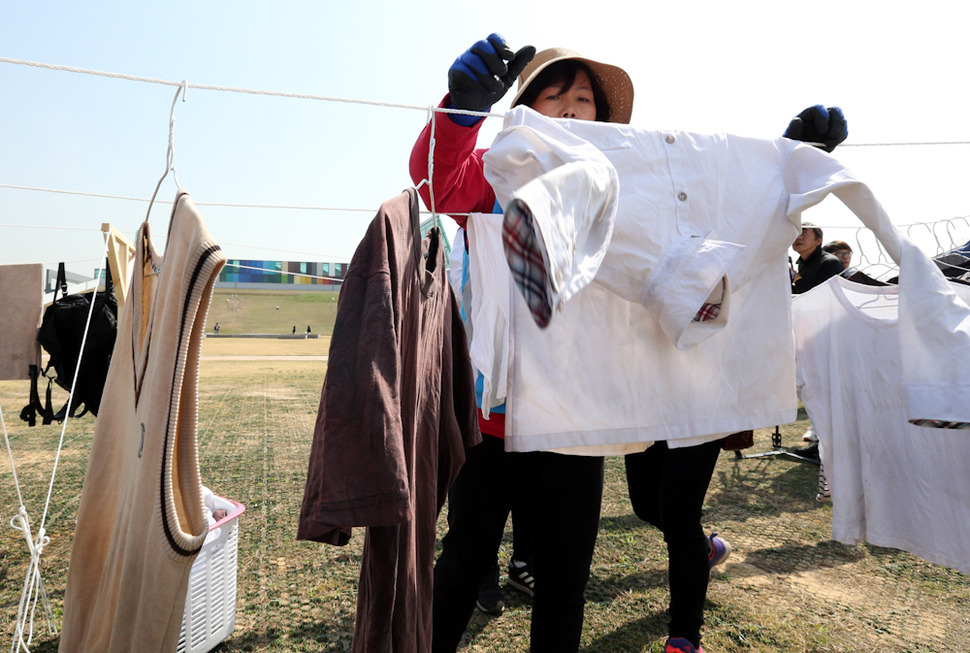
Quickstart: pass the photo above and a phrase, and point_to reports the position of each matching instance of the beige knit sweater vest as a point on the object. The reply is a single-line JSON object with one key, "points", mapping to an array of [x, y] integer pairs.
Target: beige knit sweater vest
{"points": [[140, 521]]}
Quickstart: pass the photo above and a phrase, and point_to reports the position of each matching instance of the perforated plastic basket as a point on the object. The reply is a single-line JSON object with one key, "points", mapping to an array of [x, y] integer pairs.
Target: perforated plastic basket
{"points": [[210, 603]]}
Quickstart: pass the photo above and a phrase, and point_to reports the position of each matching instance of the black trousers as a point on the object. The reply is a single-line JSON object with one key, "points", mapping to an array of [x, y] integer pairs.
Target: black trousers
{"points": [[563, 495], [667, 489]]}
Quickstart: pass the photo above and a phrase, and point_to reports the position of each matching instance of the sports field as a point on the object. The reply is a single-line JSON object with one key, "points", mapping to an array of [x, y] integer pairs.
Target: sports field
{"points": [[787, 587]]}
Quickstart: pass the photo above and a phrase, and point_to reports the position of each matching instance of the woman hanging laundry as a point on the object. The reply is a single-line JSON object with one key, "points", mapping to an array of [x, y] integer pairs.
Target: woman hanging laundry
{"points": [[563, 491]]}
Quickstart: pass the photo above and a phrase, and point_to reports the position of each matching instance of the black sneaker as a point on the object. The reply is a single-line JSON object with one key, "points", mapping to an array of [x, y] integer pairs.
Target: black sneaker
{"points": [[811, 451], [520, 577], [823, 486], [490, 594]]}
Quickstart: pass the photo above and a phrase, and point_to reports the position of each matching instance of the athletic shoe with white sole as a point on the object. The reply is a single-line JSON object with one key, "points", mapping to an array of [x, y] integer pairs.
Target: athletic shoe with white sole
{"points": [[720, 550], [520, 577]]}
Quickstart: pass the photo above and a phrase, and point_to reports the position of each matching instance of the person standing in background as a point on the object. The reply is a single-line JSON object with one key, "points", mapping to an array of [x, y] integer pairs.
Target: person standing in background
{"points": [[814, 265], [842, 251]]}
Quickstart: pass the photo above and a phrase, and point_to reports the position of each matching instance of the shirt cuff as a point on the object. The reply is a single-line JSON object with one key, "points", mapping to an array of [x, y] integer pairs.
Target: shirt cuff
{"points": [[685, 279]]}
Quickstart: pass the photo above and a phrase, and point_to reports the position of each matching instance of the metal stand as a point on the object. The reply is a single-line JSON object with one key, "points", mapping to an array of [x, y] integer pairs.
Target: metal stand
{"points": [[778, 450]]}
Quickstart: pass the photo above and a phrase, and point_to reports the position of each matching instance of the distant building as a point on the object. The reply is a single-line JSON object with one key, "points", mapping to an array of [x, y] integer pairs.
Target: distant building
{"points": [[288, 275], [297, 275], [50, 278]]}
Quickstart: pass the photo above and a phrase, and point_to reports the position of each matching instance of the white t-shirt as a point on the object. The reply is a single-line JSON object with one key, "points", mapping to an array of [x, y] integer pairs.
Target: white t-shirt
{"points": [[892, 483]]}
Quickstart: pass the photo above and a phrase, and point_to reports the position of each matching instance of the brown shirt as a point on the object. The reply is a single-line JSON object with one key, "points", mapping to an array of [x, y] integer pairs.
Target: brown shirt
{"points": [[396, 413]]}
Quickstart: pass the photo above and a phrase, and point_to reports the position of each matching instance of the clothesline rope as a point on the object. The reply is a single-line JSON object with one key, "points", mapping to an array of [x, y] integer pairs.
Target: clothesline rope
{"points": [[261, 206], [325, 257], [945, 243], [219, 204], [292, 274], [70, 399], [432, 112], [34, 588], [33, 583], [236, 89], [330, 98]]}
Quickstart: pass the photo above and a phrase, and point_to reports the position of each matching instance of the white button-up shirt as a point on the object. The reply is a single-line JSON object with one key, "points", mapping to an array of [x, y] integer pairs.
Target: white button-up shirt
{"points": [[622, 361]]}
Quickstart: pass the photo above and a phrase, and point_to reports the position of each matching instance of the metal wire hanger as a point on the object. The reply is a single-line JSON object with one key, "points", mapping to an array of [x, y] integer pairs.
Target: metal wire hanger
{"points": [[170, 153]]}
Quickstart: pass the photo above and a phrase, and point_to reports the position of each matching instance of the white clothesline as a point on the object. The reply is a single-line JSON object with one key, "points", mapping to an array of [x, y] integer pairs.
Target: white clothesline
{"points": [[34, 589], [432, 110], [868, 250], [330, 98]]}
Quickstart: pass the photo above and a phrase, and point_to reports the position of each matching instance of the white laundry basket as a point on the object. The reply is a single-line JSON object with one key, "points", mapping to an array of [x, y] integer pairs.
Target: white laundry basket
{"points": [[210, 603]]}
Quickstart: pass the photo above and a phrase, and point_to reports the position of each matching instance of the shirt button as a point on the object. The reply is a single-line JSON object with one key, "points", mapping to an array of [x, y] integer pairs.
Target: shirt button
{"points": [[682, 197], [559, 276], [670, 138]]}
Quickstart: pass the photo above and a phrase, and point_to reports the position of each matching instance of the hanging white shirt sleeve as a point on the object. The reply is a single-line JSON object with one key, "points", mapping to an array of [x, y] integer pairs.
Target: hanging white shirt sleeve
{"points": [[489, 311], [934, 336], [571, 189]]}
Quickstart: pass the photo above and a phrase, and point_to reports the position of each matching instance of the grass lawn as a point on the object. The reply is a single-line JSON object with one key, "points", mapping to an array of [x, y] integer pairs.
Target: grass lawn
{"points": [[787, 587], [272, 311]]}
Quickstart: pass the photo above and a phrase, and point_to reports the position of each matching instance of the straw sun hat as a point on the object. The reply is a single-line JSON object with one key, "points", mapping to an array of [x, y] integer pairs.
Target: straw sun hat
{"points": [[614, 81]]}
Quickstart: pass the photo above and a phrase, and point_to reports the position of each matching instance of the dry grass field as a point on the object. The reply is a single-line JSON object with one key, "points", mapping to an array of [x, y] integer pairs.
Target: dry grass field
{"points": [[787, 587], [277, 312]]}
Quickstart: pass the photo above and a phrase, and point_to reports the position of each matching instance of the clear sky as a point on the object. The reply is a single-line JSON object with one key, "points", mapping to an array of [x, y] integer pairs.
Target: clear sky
{"points": [[746, 67]]}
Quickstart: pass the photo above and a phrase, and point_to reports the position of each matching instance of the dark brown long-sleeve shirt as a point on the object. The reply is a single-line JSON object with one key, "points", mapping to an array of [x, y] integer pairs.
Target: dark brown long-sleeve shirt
{"points": [[396, 413]]}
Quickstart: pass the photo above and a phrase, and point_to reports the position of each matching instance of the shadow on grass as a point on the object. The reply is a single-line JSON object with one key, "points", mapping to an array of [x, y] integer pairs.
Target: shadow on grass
{"points": [[325, 636], [633, 635], [605, 589], [797, 557], [40, 625], [322, 637], [49, 646], [628, 522], [767, 487], [251, 640]]}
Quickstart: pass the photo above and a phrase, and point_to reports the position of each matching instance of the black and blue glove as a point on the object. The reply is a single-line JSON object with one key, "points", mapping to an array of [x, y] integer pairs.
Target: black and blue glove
{"points": [[482, 75], [824, 128]]}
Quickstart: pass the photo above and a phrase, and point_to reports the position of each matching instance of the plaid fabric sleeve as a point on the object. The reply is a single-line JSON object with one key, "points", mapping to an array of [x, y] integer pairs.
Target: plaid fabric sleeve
{"points": [[710, 310]]}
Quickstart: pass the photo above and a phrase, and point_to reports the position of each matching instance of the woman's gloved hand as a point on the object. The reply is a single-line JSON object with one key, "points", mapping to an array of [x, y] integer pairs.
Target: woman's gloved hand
{"points": [[482, 75], [820, 126]]}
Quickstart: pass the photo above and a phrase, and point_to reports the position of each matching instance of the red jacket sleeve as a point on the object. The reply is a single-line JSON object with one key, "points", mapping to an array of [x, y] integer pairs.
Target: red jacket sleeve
{"points": [[459, 177]]}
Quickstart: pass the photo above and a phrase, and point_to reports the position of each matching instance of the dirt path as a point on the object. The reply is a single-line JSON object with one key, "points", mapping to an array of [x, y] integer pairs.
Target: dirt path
{"points": [[265, 358]]}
